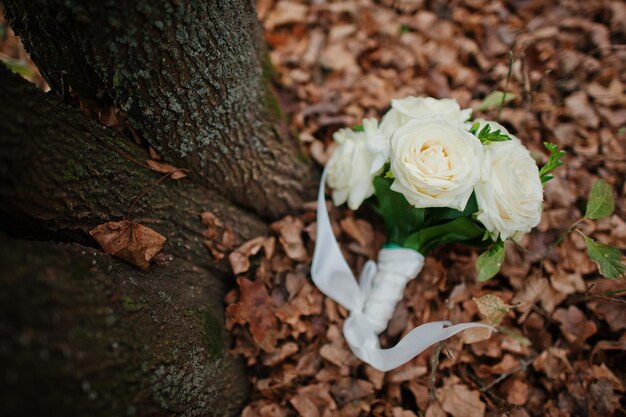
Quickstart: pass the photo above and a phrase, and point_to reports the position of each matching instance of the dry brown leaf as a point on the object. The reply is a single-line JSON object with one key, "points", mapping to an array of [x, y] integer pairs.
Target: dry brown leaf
{"points": [[314, 401], [516, 391], [256, 309], [154, 154], [219, 239], [290, 230], [434, 410], [575, 326], [492, 307], [459, 401], [554, 363], [132, 242], [286, 12], [164, 168], [475, 335], [240, 258], [348, 389]]}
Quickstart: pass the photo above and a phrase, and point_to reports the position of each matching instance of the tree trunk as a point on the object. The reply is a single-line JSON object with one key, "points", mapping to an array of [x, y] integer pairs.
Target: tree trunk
{"points": [[82, 333], [149, 341], [192, 77]]}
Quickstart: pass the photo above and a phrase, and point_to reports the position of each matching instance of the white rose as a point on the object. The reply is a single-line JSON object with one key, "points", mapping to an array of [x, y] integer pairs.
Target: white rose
{"points": [[410, 107], [509, 192], [348, 170], [435, 163], [377, 143]]}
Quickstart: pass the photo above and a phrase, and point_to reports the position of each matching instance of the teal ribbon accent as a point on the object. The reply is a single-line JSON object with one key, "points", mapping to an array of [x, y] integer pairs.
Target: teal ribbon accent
{"points": [[391, 246]]}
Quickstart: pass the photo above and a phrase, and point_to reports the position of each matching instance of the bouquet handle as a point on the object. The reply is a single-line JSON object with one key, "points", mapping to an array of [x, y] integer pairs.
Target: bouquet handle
{"points": [[396, 267], [333, 276]]}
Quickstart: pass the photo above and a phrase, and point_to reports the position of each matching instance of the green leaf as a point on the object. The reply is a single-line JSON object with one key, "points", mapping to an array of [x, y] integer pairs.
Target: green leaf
{"points": [[515, 334], [495, 99], [400, 217], [458, 230], [445, 213], [490, 261], [358, 128], [485, 135], [601, 201], [554, 161], [18, 66], [610, 260]]}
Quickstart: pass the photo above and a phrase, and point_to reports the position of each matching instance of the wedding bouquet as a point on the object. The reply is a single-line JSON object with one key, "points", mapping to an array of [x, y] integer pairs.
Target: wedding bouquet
{"points": [[435, 177]]}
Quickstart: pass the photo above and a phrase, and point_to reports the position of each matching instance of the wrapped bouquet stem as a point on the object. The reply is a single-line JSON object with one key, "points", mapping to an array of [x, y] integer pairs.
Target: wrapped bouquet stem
{"points": [[434, 178]]}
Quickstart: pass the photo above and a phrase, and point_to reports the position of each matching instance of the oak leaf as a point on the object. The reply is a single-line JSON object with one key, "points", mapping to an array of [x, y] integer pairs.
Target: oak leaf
{"points": [[132, 242]]}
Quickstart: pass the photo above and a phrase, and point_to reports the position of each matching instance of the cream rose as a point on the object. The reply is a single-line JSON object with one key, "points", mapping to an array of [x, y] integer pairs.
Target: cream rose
{"points": [[509, 192], [377, 143], [349, 169], [435, 163], [410, 107]]}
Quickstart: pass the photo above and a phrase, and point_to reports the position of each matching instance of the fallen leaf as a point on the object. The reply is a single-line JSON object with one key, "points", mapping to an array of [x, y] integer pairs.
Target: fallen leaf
{"points": [[154, 154], [219, 239], [347, 389], [132, 242], [164, 168], [516, 391], [290, 230], [255, 308], [492, 307], [577, 106], [475, 335], [604, 401], [575, 326], [240, 258], [459, 401], [314, 401]]}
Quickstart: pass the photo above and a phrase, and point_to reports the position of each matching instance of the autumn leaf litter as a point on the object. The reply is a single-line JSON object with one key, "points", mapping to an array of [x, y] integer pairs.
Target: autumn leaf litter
{"points": [[561, 345]]}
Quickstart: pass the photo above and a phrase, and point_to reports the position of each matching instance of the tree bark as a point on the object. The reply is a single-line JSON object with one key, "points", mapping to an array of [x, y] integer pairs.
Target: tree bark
{"points": [[83, 334], [114, 340], [192, 78], [62, 175]]}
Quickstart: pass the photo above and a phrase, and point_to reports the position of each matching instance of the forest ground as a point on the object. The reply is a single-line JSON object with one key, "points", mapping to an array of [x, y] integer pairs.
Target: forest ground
{"points": [[562, 351]]}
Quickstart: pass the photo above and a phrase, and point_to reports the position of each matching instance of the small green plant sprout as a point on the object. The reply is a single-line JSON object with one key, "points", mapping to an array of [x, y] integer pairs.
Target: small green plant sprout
{"points": [[486, 135], [601, 204], [554, 161]]}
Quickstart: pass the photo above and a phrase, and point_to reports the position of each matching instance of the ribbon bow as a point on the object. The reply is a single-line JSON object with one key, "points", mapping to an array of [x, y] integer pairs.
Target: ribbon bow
{"points": [[372, 302]]}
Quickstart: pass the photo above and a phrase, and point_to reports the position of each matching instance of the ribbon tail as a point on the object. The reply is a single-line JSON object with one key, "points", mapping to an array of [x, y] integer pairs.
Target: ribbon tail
{"points": [[365, 345], [329, 269]]}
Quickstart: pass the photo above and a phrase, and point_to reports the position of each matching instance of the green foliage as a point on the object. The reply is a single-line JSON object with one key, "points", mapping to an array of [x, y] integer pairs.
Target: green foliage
{"points": [[400, 217], [445, 213], [601, 201], [610, 260], [486, 135], [358, 128], [490, 261], [515, 334], [495, 99], [458, 230], [18, 66], [554, 161]]}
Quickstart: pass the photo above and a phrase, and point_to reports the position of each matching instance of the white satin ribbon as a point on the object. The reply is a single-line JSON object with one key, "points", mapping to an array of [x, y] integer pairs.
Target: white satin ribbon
{"points": [[371, 302]]}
